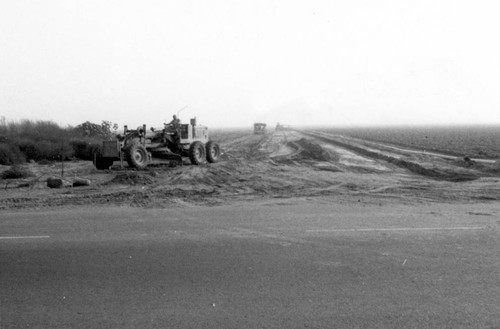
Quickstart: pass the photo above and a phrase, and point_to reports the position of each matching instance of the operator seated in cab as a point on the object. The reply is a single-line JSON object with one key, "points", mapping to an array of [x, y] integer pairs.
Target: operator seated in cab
{"points": [[175, 123], [173, 128]]}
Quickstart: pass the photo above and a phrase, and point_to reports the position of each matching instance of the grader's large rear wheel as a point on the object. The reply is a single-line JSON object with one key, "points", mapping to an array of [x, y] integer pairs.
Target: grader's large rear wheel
{"points": [[137, 156], [197, 153], [213, 152]]}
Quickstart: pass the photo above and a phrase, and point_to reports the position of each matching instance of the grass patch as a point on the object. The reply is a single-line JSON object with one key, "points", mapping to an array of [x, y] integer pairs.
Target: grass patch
{"points": [[17, 172]]}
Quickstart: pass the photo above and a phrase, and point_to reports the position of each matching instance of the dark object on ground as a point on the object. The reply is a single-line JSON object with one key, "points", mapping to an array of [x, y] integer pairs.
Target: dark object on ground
{"points": [[134, 178], [469, 162], [81, 182], [54, 182]]}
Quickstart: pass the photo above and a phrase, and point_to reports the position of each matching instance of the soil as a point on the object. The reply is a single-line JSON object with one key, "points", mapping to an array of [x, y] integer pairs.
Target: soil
{"points": [[280, 164]]}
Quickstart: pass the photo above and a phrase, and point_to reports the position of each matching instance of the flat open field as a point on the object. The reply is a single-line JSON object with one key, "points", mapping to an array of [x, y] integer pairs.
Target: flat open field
{"points": [[293, 229], [472, 141], [281, 164]]}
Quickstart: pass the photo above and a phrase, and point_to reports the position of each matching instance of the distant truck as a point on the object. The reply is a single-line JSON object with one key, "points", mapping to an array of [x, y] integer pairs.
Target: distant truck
{"points": [[280, 127], [259, 128]]}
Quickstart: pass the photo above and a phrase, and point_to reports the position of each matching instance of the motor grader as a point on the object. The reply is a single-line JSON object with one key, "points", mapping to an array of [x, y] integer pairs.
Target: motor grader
{"points": [[141, 147]]}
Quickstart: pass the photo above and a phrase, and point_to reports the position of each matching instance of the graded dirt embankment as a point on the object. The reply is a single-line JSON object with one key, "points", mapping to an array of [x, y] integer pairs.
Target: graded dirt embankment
{"points": [[399, 157], [281, 164]]}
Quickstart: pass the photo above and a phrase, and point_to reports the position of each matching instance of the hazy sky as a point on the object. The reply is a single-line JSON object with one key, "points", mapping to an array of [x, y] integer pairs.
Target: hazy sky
{"points": [[232, 63]]}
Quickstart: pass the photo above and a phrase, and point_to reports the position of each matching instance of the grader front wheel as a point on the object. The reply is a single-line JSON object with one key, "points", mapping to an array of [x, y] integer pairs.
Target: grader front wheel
{"points": [[197, 153], [213, 152]]}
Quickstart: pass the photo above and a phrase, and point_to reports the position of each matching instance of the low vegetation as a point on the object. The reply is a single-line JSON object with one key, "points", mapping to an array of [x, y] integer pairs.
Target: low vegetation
{"points": [[15, 172], [46, 141]]}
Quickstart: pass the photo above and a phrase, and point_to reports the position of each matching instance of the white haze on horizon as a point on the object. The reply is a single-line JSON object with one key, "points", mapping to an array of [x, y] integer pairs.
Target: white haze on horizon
{"points": [[233, 63]]}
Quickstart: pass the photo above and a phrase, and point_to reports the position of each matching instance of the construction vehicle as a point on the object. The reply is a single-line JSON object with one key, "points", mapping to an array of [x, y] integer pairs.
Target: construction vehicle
{"points": [[280, 127], [140, 147], [259, 128]]}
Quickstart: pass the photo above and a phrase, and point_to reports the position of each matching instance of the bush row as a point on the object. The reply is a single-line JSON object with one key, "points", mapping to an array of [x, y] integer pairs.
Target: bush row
{"points": [[16, 152], [45, 140], [10, 154]]}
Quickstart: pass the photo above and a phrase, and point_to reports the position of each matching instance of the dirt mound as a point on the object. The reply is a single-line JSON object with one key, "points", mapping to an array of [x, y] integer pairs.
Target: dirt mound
{"points": [[133, 178], [308, 150], [214, 175], [435, 173]]}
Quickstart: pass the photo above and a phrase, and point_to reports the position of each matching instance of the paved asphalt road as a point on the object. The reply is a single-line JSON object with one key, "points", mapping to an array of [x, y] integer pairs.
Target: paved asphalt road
{"points": [[294, 264]]}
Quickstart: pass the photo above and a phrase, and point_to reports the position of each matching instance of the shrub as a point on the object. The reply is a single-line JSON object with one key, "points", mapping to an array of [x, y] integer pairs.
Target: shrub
{"points": [[29, 149], [36, 140], [10, 154], [54, 150], [45, 140], [84, 149], [16, 172], [39, 130], [45, 162], [94, 130]]}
